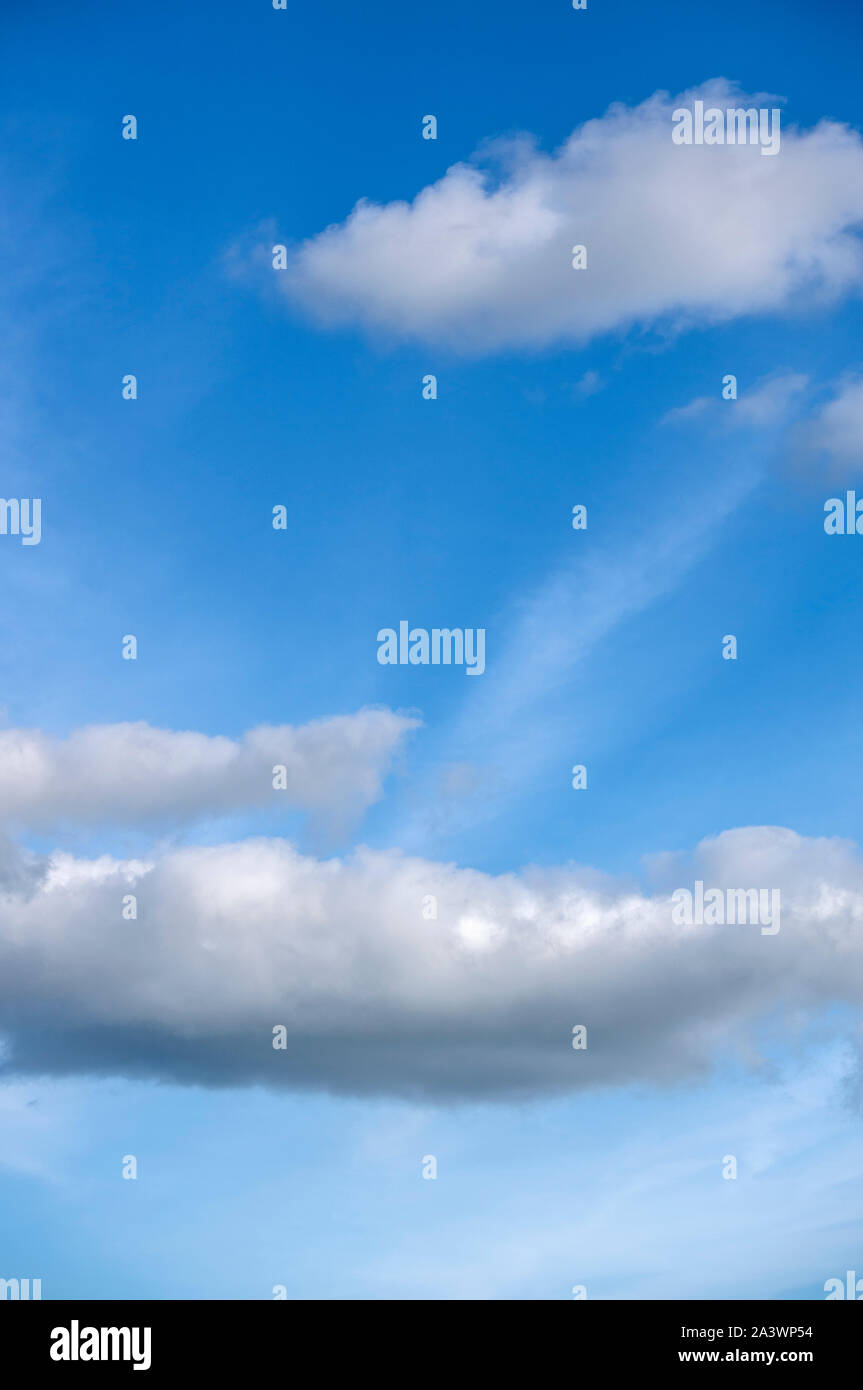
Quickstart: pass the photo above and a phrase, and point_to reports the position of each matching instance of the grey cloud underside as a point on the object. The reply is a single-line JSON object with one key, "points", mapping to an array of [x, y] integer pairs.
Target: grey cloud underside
{"points": [[413, 1067], [477, 1004]]}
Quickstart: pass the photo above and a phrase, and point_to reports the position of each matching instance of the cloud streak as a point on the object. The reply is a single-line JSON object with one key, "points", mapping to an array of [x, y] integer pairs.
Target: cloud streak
{"points": [[768, 403]]}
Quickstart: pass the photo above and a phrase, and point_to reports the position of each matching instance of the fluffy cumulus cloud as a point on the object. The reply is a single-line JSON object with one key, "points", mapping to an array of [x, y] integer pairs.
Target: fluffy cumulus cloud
{"points": [[130, 773], [481, 260], [377, 995]]}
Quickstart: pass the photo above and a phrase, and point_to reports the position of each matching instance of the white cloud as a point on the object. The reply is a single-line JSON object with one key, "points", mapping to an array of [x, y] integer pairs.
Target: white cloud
{"points": [[768, 402], [376, 998], [834, 437], [131, 773], [677, 234], [588, 385]]}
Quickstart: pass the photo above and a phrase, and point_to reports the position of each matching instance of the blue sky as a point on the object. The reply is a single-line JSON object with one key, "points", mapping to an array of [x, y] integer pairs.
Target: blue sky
{"points": [[303, 388]]}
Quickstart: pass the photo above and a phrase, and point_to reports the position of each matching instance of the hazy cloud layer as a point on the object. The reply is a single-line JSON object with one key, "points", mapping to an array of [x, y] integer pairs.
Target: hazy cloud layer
{"points": [[133, 773], [376, 998], [481, 260]]}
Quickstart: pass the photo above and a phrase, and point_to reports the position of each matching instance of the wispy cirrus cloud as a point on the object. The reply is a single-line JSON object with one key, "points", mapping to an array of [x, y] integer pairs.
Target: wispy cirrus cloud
{"points": [[520, 721], [767, 403]]}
